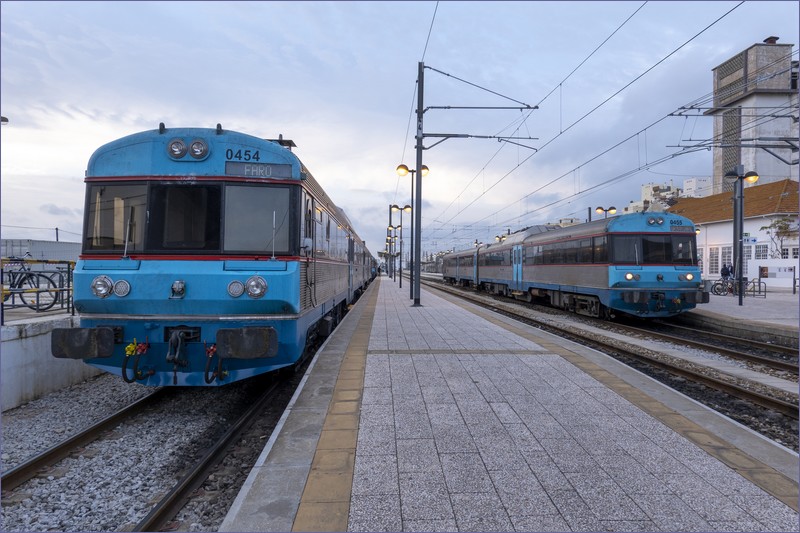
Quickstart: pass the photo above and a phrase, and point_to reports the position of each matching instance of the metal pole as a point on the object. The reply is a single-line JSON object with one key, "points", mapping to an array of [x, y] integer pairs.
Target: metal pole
{"points": [[389, 236], [411, 270], [401, 248], [418, 176], [739, 229]]}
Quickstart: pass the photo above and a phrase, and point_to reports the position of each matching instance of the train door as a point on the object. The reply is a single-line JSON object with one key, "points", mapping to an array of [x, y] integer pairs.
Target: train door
{"points": [[475, 274], [351, 265], [516, 266]]}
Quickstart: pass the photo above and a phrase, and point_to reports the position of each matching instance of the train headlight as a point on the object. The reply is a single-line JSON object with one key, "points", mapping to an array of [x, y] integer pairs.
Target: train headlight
{"points": [[630, 276], [122, 288], [198, 149], [256, 286], [686, 277], [102, 286], [176, 148], [236, 288]]}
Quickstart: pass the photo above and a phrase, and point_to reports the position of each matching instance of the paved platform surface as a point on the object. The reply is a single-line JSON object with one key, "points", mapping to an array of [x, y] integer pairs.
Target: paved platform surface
{"points": [[446, 418]]}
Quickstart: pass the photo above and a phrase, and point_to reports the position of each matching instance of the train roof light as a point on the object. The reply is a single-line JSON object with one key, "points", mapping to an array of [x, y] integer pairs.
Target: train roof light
{"points": [[176, 148], [198, 149]]}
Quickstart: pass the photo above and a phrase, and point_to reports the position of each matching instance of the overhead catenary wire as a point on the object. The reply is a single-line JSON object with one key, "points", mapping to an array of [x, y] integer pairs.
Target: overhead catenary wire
{"points": [[525, 118], [581, 119]]}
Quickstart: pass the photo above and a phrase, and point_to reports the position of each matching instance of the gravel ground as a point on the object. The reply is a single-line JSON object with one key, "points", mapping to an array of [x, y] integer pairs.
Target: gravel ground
{"points": [[36, 426], [112, 483]]}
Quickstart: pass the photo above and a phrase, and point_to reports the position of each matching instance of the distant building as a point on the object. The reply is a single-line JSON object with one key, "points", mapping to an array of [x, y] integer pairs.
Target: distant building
{"points": [[698, 187], [755, 114], [654, 198], [51, 250]]}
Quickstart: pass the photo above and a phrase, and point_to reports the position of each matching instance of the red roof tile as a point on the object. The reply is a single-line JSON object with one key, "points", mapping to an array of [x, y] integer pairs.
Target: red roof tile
{"points": [[780, 197]]}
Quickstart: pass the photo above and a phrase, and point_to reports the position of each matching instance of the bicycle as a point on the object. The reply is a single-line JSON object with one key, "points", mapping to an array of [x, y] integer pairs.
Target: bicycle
{"points": [[724, 286], [37, 290]]}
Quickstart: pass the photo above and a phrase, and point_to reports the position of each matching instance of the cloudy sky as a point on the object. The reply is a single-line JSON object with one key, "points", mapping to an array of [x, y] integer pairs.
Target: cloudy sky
{"points": [[339, 78]]}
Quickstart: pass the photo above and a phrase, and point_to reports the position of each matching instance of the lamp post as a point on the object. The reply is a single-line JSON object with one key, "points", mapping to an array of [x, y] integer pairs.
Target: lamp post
{"points": [[403, 170], [394, 252], [388, 237], [738, 174], [610, 211], [407, 209]]}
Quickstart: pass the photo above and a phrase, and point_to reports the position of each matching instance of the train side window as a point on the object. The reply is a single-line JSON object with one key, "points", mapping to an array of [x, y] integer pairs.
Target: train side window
{"points": [[309, 218], [599, 249], [585, 251]]}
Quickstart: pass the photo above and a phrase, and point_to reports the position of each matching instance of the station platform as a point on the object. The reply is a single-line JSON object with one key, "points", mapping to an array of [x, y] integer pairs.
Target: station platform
{"points": [[447, 417]]}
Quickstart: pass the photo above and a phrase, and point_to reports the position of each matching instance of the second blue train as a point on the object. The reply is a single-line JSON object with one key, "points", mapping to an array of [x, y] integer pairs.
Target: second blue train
{"points": [[640, 264]]}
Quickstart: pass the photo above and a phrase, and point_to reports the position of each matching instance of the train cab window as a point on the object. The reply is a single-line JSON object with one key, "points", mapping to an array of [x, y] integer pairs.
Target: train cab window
{"points": [[115, 214], [656, 249], [184, 218], [256, 219], [684, 250]]}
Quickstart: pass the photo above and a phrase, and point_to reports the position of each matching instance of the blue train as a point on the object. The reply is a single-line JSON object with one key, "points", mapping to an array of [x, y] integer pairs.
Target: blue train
{"points": [[640, 264], [208, 257]]}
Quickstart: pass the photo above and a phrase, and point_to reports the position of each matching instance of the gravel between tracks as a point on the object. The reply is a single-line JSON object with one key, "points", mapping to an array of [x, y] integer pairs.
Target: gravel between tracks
{"points": [[113, 482]]}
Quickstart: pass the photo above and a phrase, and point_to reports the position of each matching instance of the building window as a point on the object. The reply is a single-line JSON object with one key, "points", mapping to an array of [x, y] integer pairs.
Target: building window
{"points": [[747, 254], [784, 253], [700, 261], [713, 260], [795, 253], [762, 251], [727, 255]]}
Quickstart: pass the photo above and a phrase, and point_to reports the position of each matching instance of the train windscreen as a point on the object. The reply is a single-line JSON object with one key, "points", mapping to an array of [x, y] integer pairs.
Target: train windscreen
{"points": [[653, 249], [169, 217]]}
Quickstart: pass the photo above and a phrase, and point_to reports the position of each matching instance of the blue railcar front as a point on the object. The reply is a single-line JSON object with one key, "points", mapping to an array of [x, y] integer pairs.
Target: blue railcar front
{"points": [[654, 271], [209, 256]]}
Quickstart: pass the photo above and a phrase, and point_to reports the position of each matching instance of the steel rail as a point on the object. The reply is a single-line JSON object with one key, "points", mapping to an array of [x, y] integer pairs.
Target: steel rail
{"points": [[776, 364], [21, 473], [169, 506]]}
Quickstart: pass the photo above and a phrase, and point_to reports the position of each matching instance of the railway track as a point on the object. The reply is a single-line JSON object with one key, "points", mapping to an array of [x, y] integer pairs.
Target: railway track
{"points": [[779, 357], [25, 471], [173, 501], [786, 405]]}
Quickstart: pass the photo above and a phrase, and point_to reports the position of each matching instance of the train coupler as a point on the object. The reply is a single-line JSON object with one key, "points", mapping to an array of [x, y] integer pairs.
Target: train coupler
{"points": [[176, 351]]}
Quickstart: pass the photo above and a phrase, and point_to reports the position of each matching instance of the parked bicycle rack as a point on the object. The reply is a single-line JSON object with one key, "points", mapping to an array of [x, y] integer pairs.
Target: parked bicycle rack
{"points": [[755, 288], [37, 284]]}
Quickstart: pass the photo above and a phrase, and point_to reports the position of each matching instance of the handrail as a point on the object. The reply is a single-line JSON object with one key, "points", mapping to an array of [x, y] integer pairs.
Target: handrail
{"points": [[57, 295]]}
